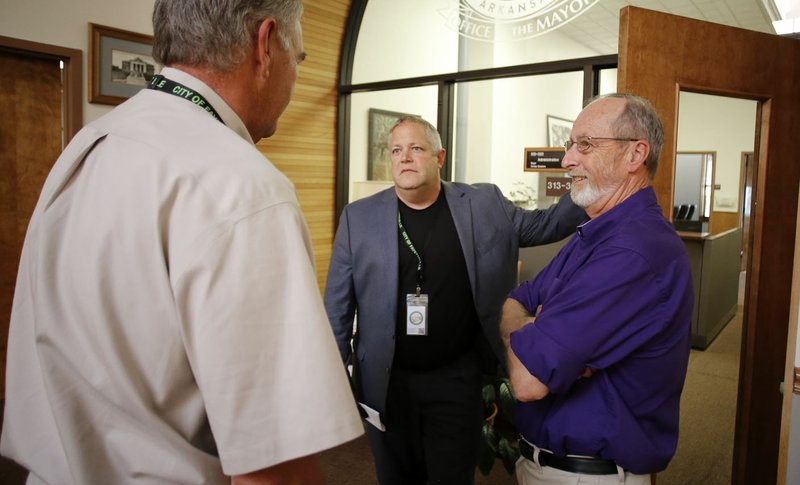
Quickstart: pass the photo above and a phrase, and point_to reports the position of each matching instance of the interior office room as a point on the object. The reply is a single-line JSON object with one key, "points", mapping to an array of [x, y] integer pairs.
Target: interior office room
{"points": [[501, 83]]}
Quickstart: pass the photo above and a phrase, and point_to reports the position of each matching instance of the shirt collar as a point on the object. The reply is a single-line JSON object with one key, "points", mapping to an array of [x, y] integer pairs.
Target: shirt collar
{"points": [[597, 228], [229, 117]]}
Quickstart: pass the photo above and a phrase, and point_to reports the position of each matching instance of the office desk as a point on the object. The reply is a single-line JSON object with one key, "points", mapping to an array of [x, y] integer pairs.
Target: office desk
{"points": [[715, 262]]}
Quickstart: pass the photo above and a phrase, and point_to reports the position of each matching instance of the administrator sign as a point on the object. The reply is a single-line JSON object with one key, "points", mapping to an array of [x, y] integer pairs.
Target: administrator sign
{"points": [[543, 159]]}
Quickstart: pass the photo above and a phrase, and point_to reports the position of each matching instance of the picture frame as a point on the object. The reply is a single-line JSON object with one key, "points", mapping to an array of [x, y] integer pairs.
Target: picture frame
{"points": [[121, 63], [379, 162], [558, 131]]}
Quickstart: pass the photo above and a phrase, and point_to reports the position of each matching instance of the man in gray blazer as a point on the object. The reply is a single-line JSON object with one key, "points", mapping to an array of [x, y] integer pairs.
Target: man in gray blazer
{"points": [[426, 266]]}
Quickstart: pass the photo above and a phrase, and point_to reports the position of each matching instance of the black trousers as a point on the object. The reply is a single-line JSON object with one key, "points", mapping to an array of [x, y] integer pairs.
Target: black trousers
{"points": [[433, 426]]}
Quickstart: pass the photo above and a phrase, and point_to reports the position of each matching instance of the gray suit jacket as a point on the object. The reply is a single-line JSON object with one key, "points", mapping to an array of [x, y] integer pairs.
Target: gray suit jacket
{"points": [[363, 274]]}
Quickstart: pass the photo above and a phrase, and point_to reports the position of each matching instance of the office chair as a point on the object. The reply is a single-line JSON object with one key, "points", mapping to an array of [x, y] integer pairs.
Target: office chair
{"points": [[690, 212], [682, 210]]}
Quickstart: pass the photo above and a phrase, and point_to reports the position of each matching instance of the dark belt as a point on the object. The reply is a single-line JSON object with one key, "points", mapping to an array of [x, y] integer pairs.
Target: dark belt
{"points": [[587, 466]]}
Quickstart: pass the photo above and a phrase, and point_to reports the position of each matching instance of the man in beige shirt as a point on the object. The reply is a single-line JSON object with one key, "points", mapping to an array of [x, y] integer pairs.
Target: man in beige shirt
{"points": [[167, 324]]}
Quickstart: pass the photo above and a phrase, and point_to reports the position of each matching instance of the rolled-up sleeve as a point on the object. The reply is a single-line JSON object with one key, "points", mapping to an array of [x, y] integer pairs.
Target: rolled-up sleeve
{"points": [[593, 317]]}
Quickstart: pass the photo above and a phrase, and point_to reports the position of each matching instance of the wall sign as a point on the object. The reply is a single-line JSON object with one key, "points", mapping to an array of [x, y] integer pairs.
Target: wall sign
{"points": [[557, 186], [543, 159]]}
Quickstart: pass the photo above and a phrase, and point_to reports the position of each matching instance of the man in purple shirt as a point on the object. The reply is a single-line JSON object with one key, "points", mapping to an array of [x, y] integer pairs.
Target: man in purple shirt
{"points": [[598, 343]]}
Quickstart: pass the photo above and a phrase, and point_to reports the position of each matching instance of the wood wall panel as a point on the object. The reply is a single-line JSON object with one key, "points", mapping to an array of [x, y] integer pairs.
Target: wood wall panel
{"points": [[723, 221], [304, 147]]}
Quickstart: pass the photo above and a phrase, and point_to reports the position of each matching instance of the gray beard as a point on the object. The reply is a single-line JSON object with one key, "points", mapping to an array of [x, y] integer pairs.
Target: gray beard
{"points": [[589, 195]]}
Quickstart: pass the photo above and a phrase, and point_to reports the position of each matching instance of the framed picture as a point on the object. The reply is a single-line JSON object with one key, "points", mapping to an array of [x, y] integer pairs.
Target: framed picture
{"points": [[121, 63], [379, 163], [558, 130]]}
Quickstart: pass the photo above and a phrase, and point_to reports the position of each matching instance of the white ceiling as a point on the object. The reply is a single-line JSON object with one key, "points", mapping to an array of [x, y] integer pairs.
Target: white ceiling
{"points": [[599, 28]]}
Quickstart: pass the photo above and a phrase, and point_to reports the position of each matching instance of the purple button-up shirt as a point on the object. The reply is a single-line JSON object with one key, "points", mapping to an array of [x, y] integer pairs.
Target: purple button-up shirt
{"points": [[618, 298]]}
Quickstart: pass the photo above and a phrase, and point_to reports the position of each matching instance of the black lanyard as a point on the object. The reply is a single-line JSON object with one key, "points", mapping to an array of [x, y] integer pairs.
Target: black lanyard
{"points": [[160, 83], [413, 250]]}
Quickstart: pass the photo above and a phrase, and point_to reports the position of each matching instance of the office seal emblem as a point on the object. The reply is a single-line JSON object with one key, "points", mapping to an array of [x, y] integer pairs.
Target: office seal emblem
{"points": [[512, 20]]}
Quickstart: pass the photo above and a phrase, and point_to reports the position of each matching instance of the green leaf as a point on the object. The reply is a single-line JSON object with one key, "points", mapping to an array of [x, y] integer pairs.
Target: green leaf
{"points": [[488, 450], [508, 454], [489, 395], [507, 399], [490, 437]]}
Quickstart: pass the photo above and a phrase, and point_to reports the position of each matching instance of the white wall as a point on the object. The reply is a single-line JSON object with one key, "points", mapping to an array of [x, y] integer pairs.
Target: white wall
{"points": [[498, 119], [689, 181], [521, 106], [793, 449], [418, 101], [608, 81], [65, 23], [475, 129], [403, 39], [723, 125], [411, 38], [519, 120]]}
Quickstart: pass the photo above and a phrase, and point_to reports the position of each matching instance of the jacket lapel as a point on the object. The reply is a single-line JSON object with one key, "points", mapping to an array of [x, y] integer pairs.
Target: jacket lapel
{"points": [[386, 237], [461, 209]]}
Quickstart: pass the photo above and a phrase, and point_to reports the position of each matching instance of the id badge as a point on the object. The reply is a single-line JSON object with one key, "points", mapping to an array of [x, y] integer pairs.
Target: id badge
{"points": [[416, 314]]}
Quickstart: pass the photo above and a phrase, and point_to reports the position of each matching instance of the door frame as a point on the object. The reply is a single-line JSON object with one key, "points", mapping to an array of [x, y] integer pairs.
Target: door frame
{"points": [[745, 186], [73, 76], [656, 62]]}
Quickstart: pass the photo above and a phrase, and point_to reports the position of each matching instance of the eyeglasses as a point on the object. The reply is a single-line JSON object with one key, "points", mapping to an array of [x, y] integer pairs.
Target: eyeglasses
{"points": [[584, 144]]}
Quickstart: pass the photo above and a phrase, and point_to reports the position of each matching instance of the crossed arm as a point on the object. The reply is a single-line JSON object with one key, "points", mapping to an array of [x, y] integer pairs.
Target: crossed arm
{"points": [[526, 386]]}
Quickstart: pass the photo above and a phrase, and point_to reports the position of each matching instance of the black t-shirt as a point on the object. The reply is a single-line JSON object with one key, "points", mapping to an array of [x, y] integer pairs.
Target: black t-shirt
{"points": [[452, 319]]}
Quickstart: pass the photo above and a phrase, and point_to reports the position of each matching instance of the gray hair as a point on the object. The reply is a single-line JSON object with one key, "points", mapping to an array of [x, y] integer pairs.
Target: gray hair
{"points": [[431, 133], [639, 120], [217, 33]]}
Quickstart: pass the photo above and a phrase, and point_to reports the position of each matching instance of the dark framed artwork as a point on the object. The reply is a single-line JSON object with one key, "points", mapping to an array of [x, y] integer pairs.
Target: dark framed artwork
{"points": [[379, 162], [120, 62], [558, 131]]}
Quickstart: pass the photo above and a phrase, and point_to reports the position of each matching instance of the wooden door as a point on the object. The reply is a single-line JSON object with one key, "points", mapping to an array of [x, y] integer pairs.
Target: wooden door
{"points": [[41, 107], [30, 141], [660, 54]]}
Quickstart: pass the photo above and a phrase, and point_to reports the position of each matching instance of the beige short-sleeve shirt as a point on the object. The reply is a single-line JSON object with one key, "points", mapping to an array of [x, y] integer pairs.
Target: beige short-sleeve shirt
{"points": [[167, 324]]}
